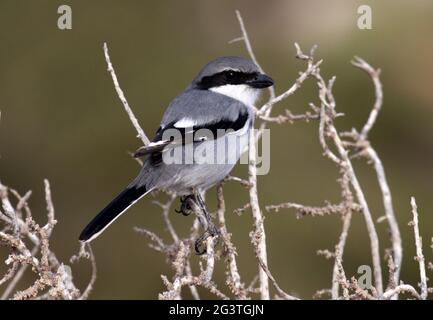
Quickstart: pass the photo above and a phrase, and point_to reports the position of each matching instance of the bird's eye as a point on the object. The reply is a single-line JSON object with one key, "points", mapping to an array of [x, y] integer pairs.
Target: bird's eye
{"points": [[230, 74]]}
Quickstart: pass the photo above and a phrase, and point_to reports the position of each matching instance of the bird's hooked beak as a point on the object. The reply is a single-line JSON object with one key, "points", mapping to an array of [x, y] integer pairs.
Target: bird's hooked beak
{"points": [[261, 81]]}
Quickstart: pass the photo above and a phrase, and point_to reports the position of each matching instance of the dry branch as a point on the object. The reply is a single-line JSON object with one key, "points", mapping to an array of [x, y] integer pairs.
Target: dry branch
{"points": [[53, 278], [122, 98], [418, 244]]}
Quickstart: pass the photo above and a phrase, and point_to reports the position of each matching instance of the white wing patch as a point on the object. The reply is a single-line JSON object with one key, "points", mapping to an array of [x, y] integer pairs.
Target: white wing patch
{"points": [[157, 143], [185, 123]]}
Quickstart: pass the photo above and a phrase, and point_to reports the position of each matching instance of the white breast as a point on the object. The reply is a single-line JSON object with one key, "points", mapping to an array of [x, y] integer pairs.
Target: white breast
{"points": [[240, 92]]}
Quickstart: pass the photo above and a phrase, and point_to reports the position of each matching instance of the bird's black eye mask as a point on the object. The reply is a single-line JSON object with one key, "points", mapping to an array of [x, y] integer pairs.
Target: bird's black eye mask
{"points": [[226, 77]]}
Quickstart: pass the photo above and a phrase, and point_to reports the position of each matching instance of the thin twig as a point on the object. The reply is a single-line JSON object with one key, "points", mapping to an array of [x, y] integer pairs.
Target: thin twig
{"points": [[233, 278], [397, 249], [419, 255], [92, 281], [401, 289], [361, 139], [264, 110], [122, 98], [303, 210], [339, 249], [374, 74], [16, 279], [259, 229], [250, 50]]}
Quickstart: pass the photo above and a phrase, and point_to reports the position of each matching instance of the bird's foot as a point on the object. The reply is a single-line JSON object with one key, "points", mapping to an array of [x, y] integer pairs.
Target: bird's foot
{"points": [[187, 205], [194, 203], [211, 231]]}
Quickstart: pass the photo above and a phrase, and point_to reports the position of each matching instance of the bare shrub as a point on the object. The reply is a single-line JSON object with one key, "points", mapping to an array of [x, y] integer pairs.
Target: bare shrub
{"points": [[29, 248], [29, 242]]}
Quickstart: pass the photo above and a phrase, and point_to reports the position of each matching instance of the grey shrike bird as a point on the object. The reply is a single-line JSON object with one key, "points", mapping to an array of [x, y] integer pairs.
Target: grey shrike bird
{"points": [[219, 99]]}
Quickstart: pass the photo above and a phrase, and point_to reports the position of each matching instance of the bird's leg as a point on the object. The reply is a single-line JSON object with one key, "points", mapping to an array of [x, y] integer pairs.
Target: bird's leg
{"points": [[195, 203], [206, 220]]}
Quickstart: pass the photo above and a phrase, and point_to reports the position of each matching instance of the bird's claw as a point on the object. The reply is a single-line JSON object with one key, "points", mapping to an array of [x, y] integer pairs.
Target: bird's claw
{"points": [[211, 231], [186, 205]]}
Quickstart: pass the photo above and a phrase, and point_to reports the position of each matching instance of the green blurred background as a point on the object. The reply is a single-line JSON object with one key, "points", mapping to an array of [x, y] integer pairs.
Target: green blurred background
{"points": [[62, 120]]}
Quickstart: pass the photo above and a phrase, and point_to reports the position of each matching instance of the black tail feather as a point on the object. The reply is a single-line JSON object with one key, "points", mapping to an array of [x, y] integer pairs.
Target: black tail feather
{"points": [[114, 209]]}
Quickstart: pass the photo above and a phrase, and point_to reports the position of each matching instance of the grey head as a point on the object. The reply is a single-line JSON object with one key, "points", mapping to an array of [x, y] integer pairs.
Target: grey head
{"points": [[236, 77]]}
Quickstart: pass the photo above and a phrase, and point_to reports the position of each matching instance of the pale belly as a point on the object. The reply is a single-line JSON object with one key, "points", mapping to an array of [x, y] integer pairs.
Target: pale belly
{"points": [[211, 162]]}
